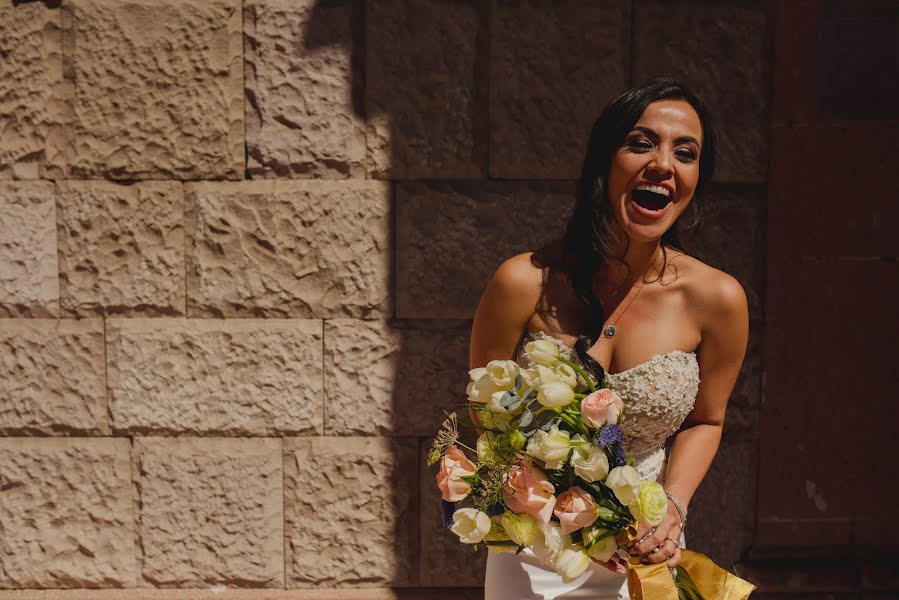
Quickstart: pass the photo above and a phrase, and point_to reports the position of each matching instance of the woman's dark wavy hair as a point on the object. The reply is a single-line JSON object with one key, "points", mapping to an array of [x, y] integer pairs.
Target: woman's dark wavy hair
{"points": [[587, 243]]}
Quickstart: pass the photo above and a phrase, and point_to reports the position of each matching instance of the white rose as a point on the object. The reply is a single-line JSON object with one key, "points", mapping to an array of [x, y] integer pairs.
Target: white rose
{"points": [[502, 373], [554, 394], [551, 447], [542, 352], [521, 528], [625, 482], [548, 546], [571, 562], [590, 463], [566, 375], [476, 374], [471, 525]]}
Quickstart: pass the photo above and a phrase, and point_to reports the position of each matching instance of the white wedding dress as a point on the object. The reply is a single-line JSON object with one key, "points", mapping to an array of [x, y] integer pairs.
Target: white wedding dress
{"points": [[658, 395]]}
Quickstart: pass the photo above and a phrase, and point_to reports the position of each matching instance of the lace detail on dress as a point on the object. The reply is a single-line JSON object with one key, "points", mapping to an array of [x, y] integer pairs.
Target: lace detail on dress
{"points": [[658, 395]]}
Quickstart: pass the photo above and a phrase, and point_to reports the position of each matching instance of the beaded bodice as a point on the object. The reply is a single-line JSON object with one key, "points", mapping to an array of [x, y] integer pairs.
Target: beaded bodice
{"points": [[658, 395]]}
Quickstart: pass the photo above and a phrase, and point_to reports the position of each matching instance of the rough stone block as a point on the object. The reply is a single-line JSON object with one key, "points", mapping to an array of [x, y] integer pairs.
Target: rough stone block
{"points": [[745, 402], [65, 513], [726, 61], [731, 236], [223, 593], [553, 66], [289, 249], [351, 511], [209, 511], [393, 378], [30, 92], [451, 238], [52, 377], [722, 516], [444, 560], [304, 89], [425, 95], [121, 248], [155, 88], [29, 277], [237, 377]]}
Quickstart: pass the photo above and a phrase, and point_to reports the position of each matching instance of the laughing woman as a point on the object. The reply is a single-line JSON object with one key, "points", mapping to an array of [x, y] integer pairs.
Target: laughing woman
{"points": [[618, 294]]}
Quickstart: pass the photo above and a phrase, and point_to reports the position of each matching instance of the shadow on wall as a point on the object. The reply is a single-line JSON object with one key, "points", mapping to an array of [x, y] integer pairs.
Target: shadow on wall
{"points": [[478, 113]]}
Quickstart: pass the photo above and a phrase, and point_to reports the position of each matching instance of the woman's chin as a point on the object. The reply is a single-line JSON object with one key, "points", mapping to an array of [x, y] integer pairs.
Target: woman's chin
{"points": [[643, 225]]}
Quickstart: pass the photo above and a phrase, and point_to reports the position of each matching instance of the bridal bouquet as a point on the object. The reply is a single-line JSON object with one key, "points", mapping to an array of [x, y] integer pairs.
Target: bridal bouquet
{"points": [[549, 472]]}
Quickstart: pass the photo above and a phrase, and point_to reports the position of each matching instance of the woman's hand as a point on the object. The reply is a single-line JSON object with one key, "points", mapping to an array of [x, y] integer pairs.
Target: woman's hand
{"points": [[661, 544], [614, 564]]}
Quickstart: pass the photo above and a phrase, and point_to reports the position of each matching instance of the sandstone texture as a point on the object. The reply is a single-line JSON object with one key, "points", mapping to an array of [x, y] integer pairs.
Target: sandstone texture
{"points": [[553, 66], [351, 511], [289, 249], [30, 91], [731, 236], [451, 238], [155, 89], [722, 516], [52, 377], [121, 248], [393, 378], [444, 560], [223, 593], [240, 377], [725, 60], [744, 406], [65, 510], [304, 89], [424, 91], [208, 512], [29, 273]]}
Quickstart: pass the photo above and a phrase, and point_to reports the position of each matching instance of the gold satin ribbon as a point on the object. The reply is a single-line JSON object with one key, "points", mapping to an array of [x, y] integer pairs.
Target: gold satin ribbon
{"points": [[654, 582]]}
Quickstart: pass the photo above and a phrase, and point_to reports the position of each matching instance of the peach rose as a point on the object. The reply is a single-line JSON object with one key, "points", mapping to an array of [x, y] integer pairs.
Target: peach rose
{"points": [[576, 509], [601, 407], [527, 490], [453, 466]]}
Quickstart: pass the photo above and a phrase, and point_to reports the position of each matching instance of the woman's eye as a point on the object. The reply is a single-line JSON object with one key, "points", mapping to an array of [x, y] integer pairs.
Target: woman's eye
{"points": [[686, 154], [639, 144]]}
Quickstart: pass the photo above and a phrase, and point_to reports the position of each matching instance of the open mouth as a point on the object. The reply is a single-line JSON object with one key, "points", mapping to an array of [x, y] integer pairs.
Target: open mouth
{"points": [[650, 199]]}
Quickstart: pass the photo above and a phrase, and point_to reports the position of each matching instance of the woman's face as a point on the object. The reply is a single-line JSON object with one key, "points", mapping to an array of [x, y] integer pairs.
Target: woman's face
{"points": [[655, 170]]}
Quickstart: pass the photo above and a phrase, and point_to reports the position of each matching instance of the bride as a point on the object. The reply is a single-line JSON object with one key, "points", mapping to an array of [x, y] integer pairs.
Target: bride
{"points": [[618, 294]]}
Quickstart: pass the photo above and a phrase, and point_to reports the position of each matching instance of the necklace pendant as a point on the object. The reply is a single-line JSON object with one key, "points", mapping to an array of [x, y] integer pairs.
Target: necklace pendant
{"points": [[610, 331]]}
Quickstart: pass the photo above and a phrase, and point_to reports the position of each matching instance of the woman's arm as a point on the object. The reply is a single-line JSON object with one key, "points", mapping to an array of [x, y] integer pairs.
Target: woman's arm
{"points": [[725, 331], [506, 306]]}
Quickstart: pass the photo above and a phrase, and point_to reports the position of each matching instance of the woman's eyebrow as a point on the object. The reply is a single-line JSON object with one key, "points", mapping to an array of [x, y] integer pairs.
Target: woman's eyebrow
{"points": [[651, 133]]}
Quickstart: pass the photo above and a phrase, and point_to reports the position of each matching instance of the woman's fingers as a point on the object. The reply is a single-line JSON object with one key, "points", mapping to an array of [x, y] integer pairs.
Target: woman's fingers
{"points": [[613, 564], [651, 541], [673, 559]]}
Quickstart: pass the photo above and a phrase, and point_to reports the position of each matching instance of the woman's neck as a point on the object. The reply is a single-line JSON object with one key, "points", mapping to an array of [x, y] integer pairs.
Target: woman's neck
{"points": [[640, 262]]}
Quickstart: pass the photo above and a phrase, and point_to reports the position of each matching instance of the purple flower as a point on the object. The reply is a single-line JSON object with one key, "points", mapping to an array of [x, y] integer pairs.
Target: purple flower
{"points": [[608, 435], [447, 509], [611, 440]]}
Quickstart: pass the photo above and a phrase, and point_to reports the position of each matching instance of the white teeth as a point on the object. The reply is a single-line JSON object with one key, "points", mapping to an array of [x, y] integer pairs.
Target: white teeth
{"points": [[655, 188]]}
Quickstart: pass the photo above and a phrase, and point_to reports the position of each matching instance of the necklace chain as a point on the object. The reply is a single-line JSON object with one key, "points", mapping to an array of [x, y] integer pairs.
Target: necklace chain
{"points": [[610, 330]]}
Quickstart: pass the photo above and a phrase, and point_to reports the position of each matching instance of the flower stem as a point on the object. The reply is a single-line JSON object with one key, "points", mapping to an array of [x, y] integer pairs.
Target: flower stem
{"points": [[577, 368]]}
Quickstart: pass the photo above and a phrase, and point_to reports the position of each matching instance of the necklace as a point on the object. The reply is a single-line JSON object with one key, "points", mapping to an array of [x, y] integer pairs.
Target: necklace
{"points": [[610, 330]]}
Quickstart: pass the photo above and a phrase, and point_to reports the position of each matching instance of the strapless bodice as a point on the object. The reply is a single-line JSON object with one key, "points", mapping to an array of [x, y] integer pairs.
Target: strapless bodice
{"points": [[657, 394]]}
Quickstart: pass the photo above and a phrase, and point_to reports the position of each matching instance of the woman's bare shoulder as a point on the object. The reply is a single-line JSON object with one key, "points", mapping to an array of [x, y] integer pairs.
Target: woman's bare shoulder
{"points": [[708, 289], [519, 279]]}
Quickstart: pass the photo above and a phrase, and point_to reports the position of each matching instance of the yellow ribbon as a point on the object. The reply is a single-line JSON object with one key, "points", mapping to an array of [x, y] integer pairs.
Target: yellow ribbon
{"points": [[654, 582]]}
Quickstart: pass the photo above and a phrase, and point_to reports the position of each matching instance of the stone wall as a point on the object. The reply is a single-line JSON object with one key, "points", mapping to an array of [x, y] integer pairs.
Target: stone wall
{"points": [[240, 247]]}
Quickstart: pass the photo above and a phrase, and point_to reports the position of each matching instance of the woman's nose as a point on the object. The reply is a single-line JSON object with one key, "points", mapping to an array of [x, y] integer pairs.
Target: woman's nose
{"points": [[661, 163]]}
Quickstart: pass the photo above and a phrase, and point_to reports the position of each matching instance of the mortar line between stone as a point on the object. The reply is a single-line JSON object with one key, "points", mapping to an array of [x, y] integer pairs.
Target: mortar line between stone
{"points": [[283, 513]]}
